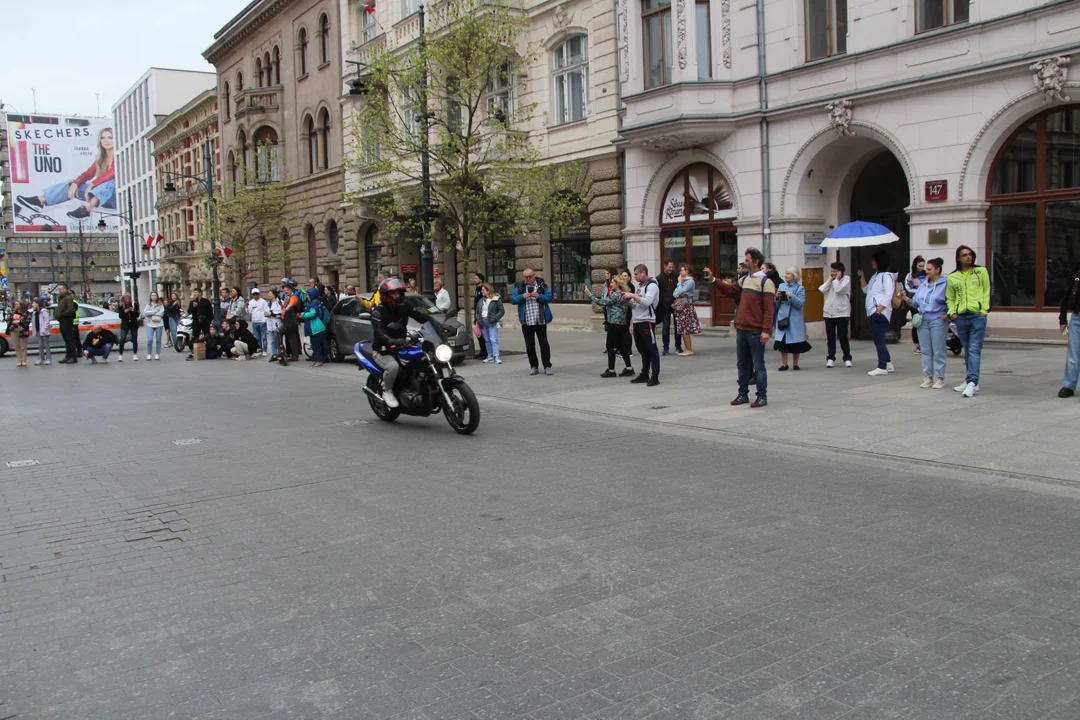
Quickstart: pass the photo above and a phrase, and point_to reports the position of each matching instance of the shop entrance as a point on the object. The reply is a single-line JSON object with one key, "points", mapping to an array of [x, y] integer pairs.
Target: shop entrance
{"points": [[880, 195]]}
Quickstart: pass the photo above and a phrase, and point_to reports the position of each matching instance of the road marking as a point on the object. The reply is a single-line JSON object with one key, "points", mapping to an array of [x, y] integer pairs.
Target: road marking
{"points": [[188, 441], [355, 423], [22, 463]]}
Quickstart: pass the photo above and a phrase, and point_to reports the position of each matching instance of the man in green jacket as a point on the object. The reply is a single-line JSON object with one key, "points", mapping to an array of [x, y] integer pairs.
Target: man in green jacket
{"points": [[66, 310], [967, 293]]}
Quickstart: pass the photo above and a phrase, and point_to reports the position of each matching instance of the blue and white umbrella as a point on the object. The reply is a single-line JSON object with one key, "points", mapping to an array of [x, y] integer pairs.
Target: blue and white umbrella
{"points": [[859, 234]]}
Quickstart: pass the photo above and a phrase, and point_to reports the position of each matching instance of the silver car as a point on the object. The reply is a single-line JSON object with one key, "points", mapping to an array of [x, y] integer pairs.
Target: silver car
{"points": [[90, 316], [350, 323]]}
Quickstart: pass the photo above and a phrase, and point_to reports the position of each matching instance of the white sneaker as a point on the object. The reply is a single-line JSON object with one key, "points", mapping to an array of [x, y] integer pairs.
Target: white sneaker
{"points": [[148, 356], [847, 363], [889, 367], [961, 387], [120, 359], [829, 364], [389, 399], [939, 384], [134, 358], [970, 390], [48, 362], [927, 382], [157, 357], [877, 372], [498, 361]]}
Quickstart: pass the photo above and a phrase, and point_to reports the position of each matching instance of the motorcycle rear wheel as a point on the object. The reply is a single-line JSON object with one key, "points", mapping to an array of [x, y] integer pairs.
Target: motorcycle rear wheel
{"points": [[464, 415], [382, 412], [180, 343]]}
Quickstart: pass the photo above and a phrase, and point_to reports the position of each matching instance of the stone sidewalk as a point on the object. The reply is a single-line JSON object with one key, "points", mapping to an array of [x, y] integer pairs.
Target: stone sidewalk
{"points": [[1016, 424]]}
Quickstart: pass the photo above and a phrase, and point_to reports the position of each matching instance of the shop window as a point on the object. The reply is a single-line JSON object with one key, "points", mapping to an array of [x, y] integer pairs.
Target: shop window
{"points": [[656, 22], [826, 28], [500, 268], [571, 265], [704, 40], [570, 61], [933, 14], [1034, 218]]}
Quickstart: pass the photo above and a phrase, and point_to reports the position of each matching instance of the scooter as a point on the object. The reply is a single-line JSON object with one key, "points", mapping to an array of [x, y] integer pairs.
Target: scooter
{"points": [[182, 341]]}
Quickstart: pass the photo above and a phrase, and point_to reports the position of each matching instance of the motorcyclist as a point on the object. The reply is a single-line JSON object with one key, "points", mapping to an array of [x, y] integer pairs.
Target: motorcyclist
{"points": [[389, 323]]}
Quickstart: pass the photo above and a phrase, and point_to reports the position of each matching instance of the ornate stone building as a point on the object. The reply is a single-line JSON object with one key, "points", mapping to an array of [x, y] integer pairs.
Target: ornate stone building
{"points": [[574, 84], [279, 87]]}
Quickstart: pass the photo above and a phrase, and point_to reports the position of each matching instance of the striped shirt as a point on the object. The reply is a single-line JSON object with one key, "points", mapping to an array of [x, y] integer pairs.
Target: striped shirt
{"points": [[756, 297]]}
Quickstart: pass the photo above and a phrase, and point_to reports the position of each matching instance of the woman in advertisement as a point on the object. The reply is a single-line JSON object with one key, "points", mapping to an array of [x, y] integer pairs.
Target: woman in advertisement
{"points": [[96, 187]]}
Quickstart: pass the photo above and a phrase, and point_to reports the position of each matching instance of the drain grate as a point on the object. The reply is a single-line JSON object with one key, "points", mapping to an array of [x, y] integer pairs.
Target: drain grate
{"points": [[188, 441], [22, 463]]}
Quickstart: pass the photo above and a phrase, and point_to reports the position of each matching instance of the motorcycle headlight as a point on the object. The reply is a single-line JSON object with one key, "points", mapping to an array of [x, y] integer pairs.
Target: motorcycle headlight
{"points": [[443, 353]]}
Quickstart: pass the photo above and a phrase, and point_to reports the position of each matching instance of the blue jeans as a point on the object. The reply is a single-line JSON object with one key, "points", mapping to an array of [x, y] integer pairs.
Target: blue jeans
{"points": [[153, 334], [933, 341], [878, 325], [490, 333], [272, 341], [173, 322], [102, 352], [750, 354], [58, 193], [259, 331], [669, 316], [971, 328], [105, 193], [1072, 359]]}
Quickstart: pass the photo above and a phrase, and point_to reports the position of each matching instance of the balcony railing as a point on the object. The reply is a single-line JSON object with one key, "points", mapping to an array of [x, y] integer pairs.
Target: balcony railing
{"points": [[255, 101], [177, 248]]}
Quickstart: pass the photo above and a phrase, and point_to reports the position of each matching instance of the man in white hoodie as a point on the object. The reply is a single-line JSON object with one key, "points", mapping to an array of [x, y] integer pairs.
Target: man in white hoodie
{"points": [[837, 312], [879, 296]]}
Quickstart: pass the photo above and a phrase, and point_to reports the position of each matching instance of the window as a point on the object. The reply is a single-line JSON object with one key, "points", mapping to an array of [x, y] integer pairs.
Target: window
{"points": [[499, 266], [230, 167], [500, 99], [571, 264], [372, 258], [410, 111], [324, 130], [277, 66], [826, 28], [239, 82], [324, 40], [241, 152], [408, 7], [312, 144], [267, 165], [571, 66], [704, 40], [368, 27], [1034, 218], [933, 14], [301, 49], [227, 100], [453, 105], [656, 19], [332, 237], [259, 70], [269, 70], [371, 148], [312, 251]]}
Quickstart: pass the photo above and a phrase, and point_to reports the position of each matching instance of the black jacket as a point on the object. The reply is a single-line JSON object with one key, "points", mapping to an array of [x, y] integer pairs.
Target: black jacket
{"points": [[1070, 302], [667, 287], [246, 337], [129, 318], [99, 337], [390, 324], [201, 312]]}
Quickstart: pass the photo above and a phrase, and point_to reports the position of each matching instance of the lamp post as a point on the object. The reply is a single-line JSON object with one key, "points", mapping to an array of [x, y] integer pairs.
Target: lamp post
{"points": [[207, 184], [134, 274]]}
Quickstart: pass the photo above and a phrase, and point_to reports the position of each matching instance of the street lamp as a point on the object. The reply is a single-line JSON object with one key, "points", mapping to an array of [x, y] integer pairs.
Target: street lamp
{"points": [[134, 274], [207, 184]]}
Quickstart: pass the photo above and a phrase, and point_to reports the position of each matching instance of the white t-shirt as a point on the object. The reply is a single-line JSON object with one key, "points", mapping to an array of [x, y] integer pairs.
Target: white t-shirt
{"points": [[484, 308], [258, 309]]}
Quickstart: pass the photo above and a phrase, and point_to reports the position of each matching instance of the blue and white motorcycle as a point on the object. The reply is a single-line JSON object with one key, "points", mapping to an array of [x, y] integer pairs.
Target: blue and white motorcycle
{"points": [[425, 384]]}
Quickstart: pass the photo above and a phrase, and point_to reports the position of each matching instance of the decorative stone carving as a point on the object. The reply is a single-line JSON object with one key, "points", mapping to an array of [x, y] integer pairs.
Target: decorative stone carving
{"points": [[562, 16], [725, 31], [1050, 76], [680, 32], [840, 116], [624, 44]]}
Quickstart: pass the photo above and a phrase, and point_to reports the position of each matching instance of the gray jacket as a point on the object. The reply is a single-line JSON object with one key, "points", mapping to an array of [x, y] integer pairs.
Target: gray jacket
{"points": [[645, 311]]}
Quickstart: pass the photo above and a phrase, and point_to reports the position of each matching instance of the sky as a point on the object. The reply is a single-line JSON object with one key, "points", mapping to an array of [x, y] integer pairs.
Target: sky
{"points": [[82, 57]]}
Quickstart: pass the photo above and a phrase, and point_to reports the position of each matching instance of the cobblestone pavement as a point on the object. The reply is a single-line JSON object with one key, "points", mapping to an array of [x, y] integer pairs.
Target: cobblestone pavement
{"points": [[302, 560]]}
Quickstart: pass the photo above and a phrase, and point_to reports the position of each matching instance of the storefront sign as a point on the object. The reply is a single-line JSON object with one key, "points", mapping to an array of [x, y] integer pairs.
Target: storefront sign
{"points": [[814, 250], [409, 269], [937, 190], [813, 238]]}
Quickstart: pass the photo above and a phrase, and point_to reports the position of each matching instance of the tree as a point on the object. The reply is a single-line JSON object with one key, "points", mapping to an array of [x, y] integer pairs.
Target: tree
{"points": [[487, 176], [247, 217]]}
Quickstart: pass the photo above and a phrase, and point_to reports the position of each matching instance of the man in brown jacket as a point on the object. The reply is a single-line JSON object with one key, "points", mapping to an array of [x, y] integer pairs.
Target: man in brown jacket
{"points": [[755, 295]]}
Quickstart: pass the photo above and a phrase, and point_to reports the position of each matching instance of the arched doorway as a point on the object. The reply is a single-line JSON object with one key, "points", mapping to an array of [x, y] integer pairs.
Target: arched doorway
{"points": [[697, 228], [880, 195]]}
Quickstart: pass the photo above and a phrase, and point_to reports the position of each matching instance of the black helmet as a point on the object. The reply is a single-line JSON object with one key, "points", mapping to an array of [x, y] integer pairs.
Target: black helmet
{"points": [[391, 292]]}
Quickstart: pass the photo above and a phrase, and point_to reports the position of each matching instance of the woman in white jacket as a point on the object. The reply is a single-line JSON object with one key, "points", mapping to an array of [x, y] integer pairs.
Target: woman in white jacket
{"points": [[154, 315], [837, 292]]}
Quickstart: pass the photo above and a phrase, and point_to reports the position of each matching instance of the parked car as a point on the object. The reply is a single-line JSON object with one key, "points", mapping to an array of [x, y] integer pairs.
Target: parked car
{"points": [[350, 323], [89, 316]]}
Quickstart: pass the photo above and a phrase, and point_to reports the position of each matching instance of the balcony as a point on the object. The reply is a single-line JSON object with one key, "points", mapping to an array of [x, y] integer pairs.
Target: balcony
{"points": [[257, 101], [682, 115], [178, 249]]}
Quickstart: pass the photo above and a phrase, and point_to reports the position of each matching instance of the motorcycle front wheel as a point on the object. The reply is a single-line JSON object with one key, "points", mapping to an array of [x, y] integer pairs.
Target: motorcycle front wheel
{"points": [[377, 406], [464, 413], [180, 343]]}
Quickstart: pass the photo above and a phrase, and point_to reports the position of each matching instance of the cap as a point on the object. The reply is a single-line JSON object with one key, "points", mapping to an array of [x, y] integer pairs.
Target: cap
{"points": [[255, 291]]}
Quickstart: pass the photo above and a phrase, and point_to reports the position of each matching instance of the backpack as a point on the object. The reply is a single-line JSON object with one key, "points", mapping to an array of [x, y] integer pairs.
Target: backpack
{"points": [[323, 314], [644, 289], [305, 301]]}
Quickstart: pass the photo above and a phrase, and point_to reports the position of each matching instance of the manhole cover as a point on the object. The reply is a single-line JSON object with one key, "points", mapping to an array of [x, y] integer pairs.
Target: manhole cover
{"points": [[22, 463], [659, 407], [188, 441], [354, 423]]}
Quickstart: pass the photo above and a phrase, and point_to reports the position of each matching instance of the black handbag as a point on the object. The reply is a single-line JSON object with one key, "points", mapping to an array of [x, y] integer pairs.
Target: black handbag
{"points": [[783, 324]]}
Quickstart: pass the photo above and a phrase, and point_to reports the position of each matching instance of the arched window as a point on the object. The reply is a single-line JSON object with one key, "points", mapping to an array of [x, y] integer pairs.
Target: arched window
{"points": [[1034, 217], [570, 63], [239, 81], [332, 237], [230, 167], [301, 49], [267, 167], [241, 154], [324, 39], [227, 102], [312, 137], [259, 70], [269, 70], [324, 131], [277, 66]]}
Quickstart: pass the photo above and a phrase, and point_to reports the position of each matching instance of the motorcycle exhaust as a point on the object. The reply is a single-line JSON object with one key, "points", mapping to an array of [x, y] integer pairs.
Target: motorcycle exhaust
{"points": [[374, 394]]}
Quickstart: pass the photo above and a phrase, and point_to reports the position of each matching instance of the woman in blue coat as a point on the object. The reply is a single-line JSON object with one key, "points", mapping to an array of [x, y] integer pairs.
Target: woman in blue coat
{"points": [[790, 324]]}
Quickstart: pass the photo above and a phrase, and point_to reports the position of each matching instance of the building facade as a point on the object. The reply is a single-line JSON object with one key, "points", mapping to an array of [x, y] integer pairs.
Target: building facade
{"points": [[186, 143], [156, 94], [951, 123], [279, 87], [574, 87]]}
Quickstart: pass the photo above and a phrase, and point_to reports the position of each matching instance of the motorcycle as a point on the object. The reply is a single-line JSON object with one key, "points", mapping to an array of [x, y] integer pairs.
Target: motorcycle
{"points": [[182, 341], [425, 384]]}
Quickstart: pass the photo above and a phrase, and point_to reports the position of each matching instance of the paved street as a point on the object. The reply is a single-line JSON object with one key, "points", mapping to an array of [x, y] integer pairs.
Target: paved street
{"points": [[238, 540]]}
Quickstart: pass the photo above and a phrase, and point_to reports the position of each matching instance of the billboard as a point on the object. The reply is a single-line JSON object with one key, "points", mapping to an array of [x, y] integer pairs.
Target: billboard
{"points": [[62, 172]]}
